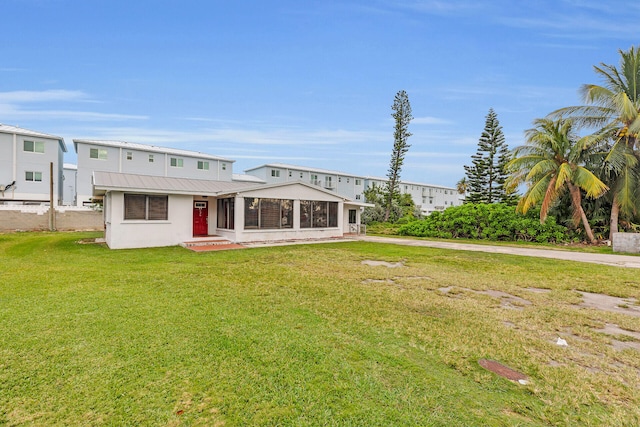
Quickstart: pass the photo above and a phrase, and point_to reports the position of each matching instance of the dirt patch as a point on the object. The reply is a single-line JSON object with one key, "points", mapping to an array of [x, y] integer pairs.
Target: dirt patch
{"points": [[625, 345], [386, 281], [611, 304], [612, 329], [374, 263], [538, 290], [506, 300]]}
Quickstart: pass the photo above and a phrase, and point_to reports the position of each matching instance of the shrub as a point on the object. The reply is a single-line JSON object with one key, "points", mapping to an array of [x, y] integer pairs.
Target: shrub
{"points": [[495, 221]]}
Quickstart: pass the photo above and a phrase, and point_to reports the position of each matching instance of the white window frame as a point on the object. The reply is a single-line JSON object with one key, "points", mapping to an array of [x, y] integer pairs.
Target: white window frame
{"points": [[36, 146], [203, 165], [35, 176], [98, 153], [176, 162]]}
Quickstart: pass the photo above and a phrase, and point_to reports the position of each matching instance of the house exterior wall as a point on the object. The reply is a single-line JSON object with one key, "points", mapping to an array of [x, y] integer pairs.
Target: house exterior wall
{"points": [[137, 161], [15, 162], [123, 234], [69, 186]]}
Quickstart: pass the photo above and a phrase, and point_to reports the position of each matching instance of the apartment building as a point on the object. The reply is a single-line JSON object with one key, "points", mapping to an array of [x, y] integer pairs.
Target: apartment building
{"points": [[141, 159], [30, 162], [428, 198]]}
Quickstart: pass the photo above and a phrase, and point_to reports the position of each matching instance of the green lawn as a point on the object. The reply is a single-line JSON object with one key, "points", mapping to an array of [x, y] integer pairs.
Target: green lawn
{"points": [[305, 335]]}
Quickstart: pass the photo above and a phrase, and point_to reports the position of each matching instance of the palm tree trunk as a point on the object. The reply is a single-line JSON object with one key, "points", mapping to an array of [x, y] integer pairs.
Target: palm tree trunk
{"points": [[613, 220], [576, 199]]}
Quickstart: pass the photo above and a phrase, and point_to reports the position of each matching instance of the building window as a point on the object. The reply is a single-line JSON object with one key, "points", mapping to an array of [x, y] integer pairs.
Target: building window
{"points": [[129, 155], [358, 182], [275, 173], [314, 180], [315, 214], [144, 207], [357, 196], [347, 180], [33, 176], [150, 158], [267, 213], [301, 175], [290, 174], [224, 166], [176, 163], [327, 182], [339, 179], [98, 153], [34, 146], [203, 165], [226, 213]]}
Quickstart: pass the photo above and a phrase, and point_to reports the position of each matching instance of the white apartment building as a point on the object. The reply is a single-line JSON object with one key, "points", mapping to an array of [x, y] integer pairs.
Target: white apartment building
{"points": [[428, 198], [141, 159], [344, 184], [26, 158]]}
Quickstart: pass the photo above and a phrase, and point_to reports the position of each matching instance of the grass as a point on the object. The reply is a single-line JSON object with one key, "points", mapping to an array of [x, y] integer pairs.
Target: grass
{"points": [[304, 335]]}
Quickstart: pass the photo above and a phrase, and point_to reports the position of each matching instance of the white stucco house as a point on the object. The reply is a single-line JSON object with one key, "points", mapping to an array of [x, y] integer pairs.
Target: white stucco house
{"points": [[149, 211]]}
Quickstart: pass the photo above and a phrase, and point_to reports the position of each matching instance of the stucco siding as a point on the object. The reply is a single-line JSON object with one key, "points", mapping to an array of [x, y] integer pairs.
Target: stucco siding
{"points": [[122, 234]]}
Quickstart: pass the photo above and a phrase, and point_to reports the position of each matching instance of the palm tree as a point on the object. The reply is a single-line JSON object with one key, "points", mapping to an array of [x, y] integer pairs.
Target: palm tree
{"points": [[614, 109], [462, 186], [552, 162]]}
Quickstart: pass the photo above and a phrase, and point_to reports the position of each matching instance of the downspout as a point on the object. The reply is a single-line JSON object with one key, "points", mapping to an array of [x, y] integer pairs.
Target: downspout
{"points": [[15, 157]]}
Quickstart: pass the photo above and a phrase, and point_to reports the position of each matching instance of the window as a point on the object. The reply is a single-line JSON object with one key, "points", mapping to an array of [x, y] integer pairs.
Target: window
{"points": [[33, 176], [34, 146], [98, 153], [357, 196], [339, 179], [226, 213], [352, 216], [358, 182], [224, 166], [150, 158], [267, 213], [290, 174], [316, 214], [129, 155], [144, 207], [327, 182], [275, 173], [314, 179], [203, 165], [301, 175], [176, 163]]}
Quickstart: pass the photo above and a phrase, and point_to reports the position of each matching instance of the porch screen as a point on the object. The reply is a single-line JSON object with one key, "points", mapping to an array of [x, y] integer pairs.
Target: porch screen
{"points": [[267, 213], [145, 207], [226, 212], [318, 214]]}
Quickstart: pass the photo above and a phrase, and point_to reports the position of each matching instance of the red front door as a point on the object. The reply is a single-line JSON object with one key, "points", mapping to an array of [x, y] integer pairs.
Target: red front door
{"points": [[200, 218]]}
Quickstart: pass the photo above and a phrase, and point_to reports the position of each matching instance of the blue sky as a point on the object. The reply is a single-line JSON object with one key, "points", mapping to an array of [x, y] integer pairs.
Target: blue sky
{"points": [[303, 82]]}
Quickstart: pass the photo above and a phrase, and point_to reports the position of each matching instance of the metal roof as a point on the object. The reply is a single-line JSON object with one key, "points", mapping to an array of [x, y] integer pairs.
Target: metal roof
{"points": [[247, 178], [161, 184], [26, 132], [149, 148], [115, 181]]}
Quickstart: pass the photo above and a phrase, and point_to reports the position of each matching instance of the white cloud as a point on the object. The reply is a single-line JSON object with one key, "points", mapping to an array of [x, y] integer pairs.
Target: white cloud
{"points": [[24, 96], [430, 121]]}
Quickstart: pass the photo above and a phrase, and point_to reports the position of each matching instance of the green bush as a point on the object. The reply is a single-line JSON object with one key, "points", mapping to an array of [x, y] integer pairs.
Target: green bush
{"points": [[487, 221]]}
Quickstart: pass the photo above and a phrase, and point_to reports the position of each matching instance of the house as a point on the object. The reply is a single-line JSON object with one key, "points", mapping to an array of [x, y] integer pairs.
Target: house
{"points": [[29, 161], [147, 211], [132, 158], [69, 174]]}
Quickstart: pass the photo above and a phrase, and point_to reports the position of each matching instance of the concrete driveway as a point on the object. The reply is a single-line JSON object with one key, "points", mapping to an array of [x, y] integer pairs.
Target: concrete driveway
{"points": [[627, 261]]}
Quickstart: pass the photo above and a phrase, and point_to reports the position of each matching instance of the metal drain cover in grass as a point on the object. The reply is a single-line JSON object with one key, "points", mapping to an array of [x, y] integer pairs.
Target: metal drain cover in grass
{"points": [[503, 371]]}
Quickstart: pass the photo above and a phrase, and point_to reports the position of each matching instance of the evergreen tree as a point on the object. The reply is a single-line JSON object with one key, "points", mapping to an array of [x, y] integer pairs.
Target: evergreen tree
{"points": [[486, 176], [402, 116]]}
